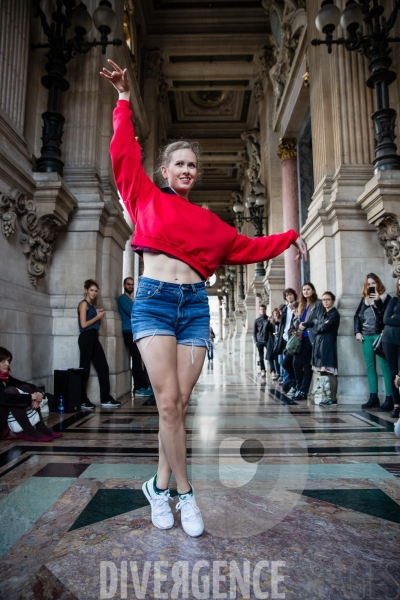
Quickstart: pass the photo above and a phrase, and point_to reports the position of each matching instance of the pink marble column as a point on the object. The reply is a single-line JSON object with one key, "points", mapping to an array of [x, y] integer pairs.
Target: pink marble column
{"points": [[290, 203]]}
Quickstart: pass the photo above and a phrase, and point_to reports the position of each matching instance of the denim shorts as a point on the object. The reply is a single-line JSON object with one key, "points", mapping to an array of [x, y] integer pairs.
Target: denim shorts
{"points": [[180, 310]]}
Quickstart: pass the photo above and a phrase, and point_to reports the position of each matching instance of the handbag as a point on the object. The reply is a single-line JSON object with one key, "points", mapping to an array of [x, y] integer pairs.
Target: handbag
{"points": [[377, 346], [32, 415], [293, 344]]}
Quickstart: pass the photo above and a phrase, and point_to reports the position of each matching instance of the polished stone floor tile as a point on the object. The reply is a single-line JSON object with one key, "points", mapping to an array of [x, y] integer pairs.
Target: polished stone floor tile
{"points": [[62, 470], [106, 504], [369, 501], [25, 504], [317, 489]]}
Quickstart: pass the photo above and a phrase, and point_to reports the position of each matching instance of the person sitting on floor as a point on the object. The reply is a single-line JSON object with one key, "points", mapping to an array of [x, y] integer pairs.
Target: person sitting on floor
{"points": [[16, 397]]}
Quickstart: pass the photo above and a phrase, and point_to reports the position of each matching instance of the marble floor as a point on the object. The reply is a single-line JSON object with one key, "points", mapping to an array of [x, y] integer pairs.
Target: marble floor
{"points": [[299, 502]]}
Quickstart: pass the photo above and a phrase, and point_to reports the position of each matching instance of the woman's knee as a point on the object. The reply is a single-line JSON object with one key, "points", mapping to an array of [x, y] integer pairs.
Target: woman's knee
{"points": [[11, 389], [169, 408]]}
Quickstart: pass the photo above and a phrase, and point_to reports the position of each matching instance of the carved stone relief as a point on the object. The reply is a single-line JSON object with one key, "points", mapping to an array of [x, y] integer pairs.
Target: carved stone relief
{"points": [[154, 69], [37, 235], [223, 106], [266, 60], [252, 139], [287, 22], [389, 238]]}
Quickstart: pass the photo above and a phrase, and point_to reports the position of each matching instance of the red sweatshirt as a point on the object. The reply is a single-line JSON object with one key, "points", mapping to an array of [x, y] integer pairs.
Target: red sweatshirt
{"points": [[173, 225]]}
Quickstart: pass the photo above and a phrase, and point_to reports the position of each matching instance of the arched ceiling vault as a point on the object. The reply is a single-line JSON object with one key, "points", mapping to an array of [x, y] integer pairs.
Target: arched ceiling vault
{"points": [[211, 59]]}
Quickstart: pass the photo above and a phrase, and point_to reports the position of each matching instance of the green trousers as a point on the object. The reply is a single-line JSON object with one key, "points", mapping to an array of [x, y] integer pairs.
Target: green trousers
{"points": [[370, 361]]}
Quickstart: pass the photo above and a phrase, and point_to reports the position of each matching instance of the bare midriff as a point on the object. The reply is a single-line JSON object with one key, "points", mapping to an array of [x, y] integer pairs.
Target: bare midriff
{"points": [[171, 270]]}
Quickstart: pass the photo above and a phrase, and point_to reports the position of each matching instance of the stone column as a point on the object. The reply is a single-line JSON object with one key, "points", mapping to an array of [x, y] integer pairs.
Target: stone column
{"points": [[287, 152], [343, 246]]}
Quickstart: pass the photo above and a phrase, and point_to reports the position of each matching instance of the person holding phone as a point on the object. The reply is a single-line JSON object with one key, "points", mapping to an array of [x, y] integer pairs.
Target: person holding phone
{"points": [[368, 325]]}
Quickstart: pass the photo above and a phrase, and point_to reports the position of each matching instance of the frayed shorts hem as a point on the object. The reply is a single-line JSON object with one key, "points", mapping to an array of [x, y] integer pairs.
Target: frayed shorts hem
{"points": [[199, 342]]}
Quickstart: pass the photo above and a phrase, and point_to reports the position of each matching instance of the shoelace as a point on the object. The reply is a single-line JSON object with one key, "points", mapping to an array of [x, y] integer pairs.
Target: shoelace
{"points": [[188, 509], [162, 504]]}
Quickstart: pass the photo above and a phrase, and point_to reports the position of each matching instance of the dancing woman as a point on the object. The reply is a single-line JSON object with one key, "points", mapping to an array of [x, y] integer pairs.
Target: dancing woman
{"points": [[182, 244]]}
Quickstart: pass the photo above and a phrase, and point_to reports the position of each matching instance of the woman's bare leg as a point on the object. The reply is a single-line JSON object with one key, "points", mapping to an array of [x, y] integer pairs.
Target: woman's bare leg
{"points": [[170, 371], [188, 375]]}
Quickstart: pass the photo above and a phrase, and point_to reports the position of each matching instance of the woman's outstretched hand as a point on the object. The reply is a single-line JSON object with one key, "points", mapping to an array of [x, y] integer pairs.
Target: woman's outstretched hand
{"points": [[118, 78], [302, 250]]}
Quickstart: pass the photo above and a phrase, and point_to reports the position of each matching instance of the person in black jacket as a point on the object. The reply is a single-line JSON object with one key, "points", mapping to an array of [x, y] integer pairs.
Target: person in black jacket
{"points": [[289, 296], [324, 357], [368, 324], [262, 331], [391, 347], [17, 402]]}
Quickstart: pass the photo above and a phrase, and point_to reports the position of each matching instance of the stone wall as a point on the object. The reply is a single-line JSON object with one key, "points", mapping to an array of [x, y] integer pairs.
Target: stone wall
{"points": [[39, 324]]}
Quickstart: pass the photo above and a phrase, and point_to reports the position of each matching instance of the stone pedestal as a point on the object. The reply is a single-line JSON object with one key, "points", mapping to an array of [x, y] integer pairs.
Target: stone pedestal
{"points": [[381, 196], [287, 152]]}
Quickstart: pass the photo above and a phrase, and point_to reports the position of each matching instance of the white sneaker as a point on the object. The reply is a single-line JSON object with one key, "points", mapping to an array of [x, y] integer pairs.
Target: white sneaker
{"points": [[291, 392], [161, 513], [274, 377], [191, 519]]}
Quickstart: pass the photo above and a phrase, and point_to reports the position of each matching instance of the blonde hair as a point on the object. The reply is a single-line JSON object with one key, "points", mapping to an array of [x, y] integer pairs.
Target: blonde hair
{"points": [[165, 157]]}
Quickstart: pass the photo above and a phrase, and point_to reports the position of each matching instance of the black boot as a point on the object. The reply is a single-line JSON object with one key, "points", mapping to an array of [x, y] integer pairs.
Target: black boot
{"points": [[387, 405], [395, 414], [373, 402]]}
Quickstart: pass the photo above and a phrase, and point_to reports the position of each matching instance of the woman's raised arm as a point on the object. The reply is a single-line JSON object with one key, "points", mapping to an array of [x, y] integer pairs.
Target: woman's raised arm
{"points": [[126, 155]]}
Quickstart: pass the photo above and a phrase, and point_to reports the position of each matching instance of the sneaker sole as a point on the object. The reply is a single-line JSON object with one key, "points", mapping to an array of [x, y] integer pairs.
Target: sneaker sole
{"points": [[88, 407], [197, 534], [149, 498], [111, 405]]}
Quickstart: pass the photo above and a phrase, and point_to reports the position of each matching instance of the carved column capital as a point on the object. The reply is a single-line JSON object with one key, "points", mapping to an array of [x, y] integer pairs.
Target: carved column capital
{"points": [[287, 149]]}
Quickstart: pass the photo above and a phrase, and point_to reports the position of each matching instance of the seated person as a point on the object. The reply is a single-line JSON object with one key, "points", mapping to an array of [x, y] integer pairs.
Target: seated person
{"points": [[17, 402]]}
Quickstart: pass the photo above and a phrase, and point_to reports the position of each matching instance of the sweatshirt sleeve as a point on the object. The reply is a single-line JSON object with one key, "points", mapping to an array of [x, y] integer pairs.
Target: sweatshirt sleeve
{"points": [[126, 158], [245, 250]]}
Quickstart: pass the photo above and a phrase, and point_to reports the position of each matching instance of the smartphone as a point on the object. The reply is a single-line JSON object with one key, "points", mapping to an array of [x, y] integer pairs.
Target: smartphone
{"points": [[371, 290]]}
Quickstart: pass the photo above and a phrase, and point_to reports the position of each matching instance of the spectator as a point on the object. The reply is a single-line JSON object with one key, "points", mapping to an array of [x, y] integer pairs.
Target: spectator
{"points": [[16, 397], [273, 355], [262, 333], [309, 310], [391, 347], [368, 324], [289, 296], [90, 348], [210, 347], [324, 356], [289, 387], [141, 382]]}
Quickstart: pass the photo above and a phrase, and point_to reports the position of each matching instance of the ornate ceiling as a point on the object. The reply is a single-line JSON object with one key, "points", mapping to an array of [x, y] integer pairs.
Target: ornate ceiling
{"points": [[211, 60]]}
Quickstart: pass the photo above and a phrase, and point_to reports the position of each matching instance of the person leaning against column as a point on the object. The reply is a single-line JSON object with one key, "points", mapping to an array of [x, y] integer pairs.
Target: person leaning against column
{"points": [[391, 347], [90, 348], [368, 324], [182, 245], [310, 309]]}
